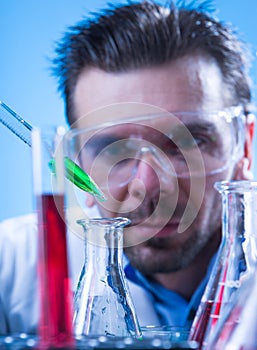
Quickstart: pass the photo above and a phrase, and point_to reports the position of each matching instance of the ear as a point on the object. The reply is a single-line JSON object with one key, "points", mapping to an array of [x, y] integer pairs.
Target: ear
{"points": [[243, 171]]}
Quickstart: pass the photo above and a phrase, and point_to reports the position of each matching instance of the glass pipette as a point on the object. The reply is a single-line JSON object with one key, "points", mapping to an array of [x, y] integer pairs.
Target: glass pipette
{"points": [[73, 172]]}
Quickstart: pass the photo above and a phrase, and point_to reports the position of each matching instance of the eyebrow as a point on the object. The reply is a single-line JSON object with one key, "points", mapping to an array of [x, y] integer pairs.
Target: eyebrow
{"points": [[102, 138], [202, 126], [193, 127]]}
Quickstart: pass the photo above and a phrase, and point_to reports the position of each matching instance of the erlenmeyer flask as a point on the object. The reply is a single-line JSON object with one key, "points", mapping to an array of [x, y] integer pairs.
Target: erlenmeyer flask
{"points": [[103, 305], [238, 328], [235, 260]]}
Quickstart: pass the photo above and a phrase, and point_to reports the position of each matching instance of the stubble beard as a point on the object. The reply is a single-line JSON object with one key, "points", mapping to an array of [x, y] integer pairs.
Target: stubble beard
{"points": [[163, 255]]}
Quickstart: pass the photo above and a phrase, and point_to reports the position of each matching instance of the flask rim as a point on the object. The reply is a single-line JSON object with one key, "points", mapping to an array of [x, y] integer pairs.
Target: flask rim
{"points": [[236, 186], [115, 222]]}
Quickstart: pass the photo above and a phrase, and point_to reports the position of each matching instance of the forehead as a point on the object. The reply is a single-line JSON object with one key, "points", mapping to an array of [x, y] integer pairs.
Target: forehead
{"points": [[189, 84]]}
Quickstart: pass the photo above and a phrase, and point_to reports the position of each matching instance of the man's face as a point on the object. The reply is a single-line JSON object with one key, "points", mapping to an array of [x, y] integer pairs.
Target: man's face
{"points": [[173, 217]]}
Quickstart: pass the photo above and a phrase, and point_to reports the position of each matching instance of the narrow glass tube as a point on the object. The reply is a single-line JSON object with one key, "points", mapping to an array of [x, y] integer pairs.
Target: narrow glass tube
{"points": [[55, 320]]}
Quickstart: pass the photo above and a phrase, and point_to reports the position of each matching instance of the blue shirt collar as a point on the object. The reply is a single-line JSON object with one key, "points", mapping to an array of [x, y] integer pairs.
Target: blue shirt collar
{"points": [[171, 308]]}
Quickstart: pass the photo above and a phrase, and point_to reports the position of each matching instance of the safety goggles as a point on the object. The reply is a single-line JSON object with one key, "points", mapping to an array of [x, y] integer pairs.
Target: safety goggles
{"points": [[182, 144]]}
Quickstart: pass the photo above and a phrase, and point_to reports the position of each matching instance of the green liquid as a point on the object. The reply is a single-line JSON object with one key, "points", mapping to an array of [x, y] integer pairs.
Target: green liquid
{"points": [[79, 178]]}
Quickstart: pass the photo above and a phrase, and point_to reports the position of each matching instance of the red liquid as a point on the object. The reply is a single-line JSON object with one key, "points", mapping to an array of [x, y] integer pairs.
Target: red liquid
{"points": [[228, 329], [55, 324], [209, 313], [209, 310]]}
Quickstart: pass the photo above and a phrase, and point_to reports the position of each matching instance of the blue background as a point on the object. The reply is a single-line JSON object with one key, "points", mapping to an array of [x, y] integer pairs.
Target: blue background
{"points": [[28, 31]]}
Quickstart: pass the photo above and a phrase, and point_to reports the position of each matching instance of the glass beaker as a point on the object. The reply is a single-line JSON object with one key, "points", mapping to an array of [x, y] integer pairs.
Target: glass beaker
{"points": [[236, 258], [55, 315], [103, 305]]}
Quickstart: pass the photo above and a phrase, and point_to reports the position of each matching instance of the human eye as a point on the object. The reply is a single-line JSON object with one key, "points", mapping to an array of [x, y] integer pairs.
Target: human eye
{"points": [[204, 141], [182, 140], [203, 137], [187, 142], [115, 150], [99, 144], [112, 148], [191, 138]]}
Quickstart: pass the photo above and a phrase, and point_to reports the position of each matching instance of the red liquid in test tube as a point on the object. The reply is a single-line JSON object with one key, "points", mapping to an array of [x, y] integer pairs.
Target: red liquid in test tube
{"points": [[55, 324]]}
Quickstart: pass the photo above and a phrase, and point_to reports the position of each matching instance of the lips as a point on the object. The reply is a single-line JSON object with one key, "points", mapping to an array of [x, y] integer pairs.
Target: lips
{"points": [[156, 229], [168, 230]]}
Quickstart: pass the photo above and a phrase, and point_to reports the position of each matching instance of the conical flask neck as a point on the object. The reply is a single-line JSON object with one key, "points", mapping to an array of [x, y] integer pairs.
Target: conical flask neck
{"points": [[239, 208]]}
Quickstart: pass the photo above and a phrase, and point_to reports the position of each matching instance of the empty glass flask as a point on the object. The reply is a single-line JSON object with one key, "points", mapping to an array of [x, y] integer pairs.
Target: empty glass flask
{"points": [[103, 305], [236, 258]]}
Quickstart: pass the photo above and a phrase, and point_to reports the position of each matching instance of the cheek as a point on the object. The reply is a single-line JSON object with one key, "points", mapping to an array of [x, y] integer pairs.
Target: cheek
{"points": [[192, 193], [210, 213], [202, 203]]}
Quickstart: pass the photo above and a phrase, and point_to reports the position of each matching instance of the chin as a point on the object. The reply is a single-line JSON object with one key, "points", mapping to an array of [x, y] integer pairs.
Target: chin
{"points": [[164, 254], [150, 259]]}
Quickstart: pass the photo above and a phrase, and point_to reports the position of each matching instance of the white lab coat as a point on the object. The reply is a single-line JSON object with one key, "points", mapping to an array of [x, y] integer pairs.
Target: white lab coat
{"points": [[19, 307]]}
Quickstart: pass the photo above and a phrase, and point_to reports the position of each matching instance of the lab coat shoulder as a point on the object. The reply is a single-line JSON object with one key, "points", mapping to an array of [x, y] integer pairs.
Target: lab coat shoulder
{"points": [[18, 275], [18, 278]]}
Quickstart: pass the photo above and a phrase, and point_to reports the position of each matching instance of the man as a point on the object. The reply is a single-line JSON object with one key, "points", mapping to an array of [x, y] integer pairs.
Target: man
{"points": [[167, 94]]}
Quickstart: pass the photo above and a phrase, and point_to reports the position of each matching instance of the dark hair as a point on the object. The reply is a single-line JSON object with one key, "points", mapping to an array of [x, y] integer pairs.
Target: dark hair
{"points": [[145, 34]]}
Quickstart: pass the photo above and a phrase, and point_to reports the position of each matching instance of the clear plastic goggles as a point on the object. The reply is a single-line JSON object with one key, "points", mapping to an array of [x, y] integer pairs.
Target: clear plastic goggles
{"points": [[182, 144]]}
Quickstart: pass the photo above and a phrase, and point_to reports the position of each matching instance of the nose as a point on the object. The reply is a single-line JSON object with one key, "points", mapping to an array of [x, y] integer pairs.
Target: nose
{"points": [[152, 172]]}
